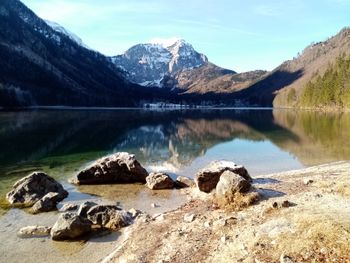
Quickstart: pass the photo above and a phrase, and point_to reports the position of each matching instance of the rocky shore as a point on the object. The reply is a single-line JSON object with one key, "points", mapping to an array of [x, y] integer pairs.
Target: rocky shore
{"points": [[295, 216]]}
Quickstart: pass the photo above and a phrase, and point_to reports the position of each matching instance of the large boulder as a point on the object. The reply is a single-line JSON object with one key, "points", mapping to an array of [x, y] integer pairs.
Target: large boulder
{"points": [[70, 226], [33, 187], [109, 216], [157, 181], [231, 183], [47, 203], [120, 167], [207, 178]]}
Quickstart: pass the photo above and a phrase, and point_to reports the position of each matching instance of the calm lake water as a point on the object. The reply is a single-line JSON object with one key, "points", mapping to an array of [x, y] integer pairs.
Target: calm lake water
{"points": [[181, 142], [61, 142]]}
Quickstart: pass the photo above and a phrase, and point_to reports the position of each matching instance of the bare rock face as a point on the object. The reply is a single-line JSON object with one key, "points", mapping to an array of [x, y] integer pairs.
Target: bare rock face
{"points": [[183, 181], [68, 207], [34, 231], [231, 183], [157, 181], [120, 167], [109, 216], [33, 187], [70, 226], [207, 178], [46, 204]]}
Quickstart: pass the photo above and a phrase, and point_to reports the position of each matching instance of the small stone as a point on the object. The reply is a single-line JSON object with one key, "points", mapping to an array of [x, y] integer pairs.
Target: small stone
{"points": [[286, 204], [68, 207], [221, 222], [188, 218], [286, 259], [46, 203], [207, 224], [154, 205], [224, 239], [275, 205], [323, 250], [308, 181], [134, 212], [34, 231], [183, 181]]}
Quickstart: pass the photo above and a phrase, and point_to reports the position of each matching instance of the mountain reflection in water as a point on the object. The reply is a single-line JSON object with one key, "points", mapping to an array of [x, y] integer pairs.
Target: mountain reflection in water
{"points": [[62, 141]]}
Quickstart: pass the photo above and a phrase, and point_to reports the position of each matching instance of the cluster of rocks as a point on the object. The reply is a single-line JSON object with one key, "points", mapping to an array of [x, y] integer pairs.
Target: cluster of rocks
{"points": [[123, 167], [89, 216], [43, 193], [37, 190]]}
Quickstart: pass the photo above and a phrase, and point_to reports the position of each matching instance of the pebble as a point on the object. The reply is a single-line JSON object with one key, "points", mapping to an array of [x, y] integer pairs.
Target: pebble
{"points": [[308, 181], [188, 218], [286, 259]]}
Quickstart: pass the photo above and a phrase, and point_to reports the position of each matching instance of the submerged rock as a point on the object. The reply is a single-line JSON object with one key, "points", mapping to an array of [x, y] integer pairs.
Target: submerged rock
{"points": [[183, 181], [207, 178], [47, 203], [231, 183], [109, 216], [34, 231], [120, 167], [33, 187], [70, 226], [157, 181]]}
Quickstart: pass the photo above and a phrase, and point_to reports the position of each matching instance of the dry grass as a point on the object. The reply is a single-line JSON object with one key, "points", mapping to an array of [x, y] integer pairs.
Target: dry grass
{"points": [[238, 201], [341, 187]]}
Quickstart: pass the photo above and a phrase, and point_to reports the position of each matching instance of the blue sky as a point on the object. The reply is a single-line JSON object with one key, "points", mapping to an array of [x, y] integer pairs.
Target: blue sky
{"points": [[239, 35]]}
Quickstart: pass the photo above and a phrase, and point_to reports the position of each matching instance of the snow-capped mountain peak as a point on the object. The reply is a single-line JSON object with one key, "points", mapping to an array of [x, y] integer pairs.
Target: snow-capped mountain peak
{"points": [[148, 64]]}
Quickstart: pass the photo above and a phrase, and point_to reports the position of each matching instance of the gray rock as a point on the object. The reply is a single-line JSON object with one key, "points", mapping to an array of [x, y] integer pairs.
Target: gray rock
{"points": [[33, 187], [120, 167], [134, 212], [70, 226], [46, 204], [34, 231], [183, 181], [231, 183], [157, 181], [68, 207], [84, 208], [109, 216], [286, 259], [207, 178]]}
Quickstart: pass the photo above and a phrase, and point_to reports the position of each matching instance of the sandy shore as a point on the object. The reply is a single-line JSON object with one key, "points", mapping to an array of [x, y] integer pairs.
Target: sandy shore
{"points": [[314, 225]]}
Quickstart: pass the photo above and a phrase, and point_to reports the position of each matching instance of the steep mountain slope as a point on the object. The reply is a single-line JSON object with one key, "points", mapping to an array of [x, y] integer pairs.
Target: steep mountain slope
{"points": [[42, 66], [284, 85], [148, 64], [210, 78]]}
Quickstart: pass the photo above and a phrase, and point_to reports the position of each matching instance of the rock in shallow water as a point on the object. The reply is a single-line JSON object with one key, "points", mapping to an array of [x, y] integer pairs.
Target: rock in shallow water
{"points": [[33, 187], [47, 203], [109, 216], [207, 178], [120, 167], [84, 208], [157, 181], [70, 226]]}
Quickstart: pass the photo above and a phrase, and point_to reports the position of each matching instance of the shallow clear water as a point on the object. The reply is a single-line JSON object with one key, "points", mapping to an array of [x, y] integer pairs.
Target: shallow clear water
{"points": [[60, 142]]}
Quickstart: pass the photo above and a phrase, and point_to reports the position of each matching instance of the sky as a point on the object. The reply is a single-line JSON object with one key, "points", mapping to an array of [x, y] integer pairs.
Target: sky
{"points": [[238, 35]]}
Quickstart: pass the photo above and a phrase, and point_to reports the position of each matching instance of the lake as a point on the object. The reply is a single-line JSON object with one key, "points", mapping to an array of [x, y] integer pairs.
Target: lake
{"points": [[61, 142]]}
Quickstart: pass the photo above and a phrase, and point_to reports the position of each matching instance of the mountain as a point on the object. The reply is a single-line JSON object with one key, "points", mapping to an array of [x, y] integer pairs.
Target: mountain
{"points": [[149, 64], [284, 86], [180, 68], [41, 65]]}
